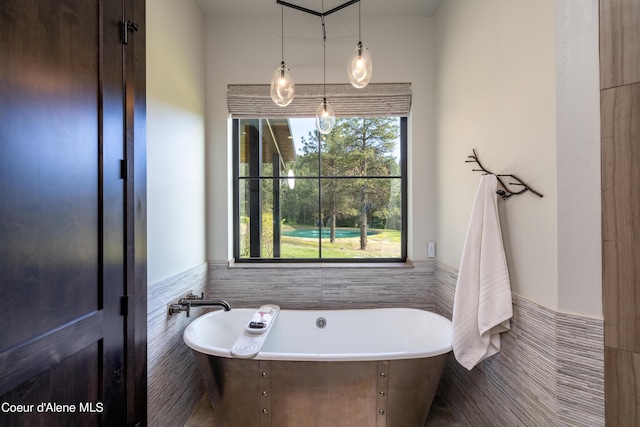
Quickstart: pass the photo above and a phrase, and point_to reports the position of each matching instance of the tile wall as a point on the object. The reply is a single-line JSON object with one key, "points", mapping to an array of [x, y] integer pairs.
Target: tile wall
{"points": [[174, 383], [620, 147], [175, 387], [549, 372], [327, 287]]}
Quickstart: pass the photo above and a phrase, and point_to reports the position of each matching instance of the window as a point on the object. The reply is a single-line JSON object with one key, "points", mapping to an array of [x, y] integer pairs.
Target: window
{"points": [[302, 196]]}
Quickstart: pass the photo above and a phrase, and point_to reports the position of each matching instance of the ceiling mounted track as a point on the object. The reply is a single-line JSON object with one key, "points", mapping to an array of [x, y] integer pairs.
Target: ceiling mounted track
{"points": [[313, 12]]}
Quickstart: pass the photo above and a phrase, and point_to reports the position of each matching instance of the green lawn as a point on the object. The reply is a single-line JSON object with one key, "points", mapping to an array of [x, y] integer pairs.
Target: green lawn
{"points": [[383, 244]]}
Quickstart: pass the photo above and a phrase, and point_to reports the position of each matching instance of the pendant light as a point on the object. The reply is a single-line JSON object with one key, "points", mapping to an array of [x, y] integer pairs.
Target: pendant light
{"points": [[360, 66], [291, 179], [282, 84], [325, 117]]}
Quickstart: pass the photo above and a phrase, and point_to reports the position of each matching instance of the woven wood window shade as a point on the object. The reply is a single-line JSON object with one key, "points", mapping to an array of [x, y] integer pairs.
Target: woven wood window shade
{"points": [[380, 99]]}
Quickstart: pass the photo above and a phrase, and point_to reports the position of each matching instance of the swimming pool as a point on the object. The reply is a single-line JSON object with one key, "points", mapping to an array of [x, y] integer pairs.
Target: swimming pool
{"points": [[326, 233]]}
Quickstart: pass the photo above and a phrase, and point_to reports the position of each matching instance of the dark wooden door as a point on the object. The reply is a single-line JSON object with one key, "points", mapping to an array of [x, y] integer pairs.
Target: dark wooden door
{"points": [[63, 214]]}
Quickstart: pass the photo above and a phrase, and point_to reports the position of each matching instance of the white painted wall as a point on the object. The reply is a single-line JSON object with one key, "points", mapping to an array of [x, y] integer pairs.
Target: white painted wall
{"points": [[578, 158], [175, 33], [517, 80], [248, 50]]}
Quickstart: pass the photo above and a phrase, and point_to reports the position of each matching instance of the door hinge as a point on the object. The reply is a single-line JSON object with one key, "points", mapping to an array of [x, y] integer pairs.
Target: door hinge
{"points": [[124, 169], [124, 305], [125, 27]]}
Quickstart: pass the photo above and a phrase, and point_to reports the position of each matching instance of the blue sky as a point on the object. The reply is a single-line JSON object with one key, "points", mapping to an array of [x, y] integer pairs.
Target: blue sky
{"points": [[300, 127]]}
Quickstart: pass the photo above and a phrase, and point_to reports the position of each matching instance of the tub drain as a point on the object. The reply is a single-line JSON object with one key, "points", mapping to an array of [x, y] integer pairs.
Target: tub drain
{"points": [[321, 322]]}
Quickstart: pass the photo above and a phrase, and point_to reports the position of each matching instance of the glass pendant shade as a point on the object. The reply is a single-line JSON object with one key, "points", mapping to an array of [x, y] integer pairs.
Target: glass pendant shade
{"points": [[282, 86], [360, 67], [325, 117]]}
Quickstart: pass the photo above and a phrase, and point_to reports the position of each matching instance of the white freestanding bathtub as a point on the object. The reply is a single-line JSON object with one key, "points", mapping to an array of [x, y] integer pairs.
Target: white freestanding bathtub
{"points": [[360, 367]]}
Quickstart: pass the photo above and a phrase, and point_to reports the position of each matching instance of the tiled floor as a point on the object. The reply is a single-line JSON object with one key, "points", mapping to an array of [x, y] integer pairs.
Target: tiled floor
{"points": [[439, 416]]}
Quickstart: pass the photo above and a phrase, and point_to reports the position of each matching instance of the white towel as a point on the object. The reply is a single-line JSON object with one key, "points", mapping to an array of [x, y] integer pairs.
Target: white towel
{"points": [[482, 302]]}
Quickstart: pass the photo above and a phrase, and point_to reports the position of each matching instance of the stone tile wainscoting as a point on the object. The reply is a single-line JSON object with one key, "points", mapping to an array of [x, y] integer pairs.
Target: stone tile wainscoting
{"points": [[326, 287], [550, 371], [174, 384]]}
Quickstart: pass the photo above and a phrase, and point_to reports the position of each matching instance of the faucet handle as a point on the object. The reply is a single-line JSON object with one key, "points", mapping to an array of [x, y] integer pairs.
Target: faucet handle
{"points": [[191, 296], [182, 305]]}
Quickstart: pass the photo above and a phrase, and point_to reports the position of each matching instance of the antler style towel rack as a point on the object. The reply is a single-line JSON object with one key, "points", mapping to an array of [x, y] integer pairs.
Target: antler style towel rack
{"points": [[505, 192]]}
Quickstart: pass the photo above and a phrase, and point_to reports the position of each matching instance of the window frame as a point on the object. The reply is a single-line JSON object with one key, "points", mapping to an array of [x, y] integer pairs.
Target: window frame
{"points": [[236, 209]]}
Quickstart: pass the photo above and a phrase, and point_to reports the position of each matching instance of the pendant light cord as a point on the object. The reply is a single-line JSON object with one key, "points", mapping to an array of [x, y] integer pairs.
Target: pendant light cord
{"points": [[282, 33], [324, 60], [324, 63], [359, 23]]}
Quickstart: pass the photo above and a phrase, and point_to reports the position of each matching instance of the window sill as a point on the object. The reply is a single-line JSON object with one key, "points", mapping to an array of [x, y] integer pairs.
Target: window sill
{"points": [[281, 265]]}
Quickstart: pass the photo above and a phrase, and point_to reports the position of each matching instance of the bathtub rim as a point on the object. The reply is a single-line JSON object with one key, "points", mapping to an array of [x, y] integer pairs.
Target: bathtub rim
{"points": [[218, 351]]}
